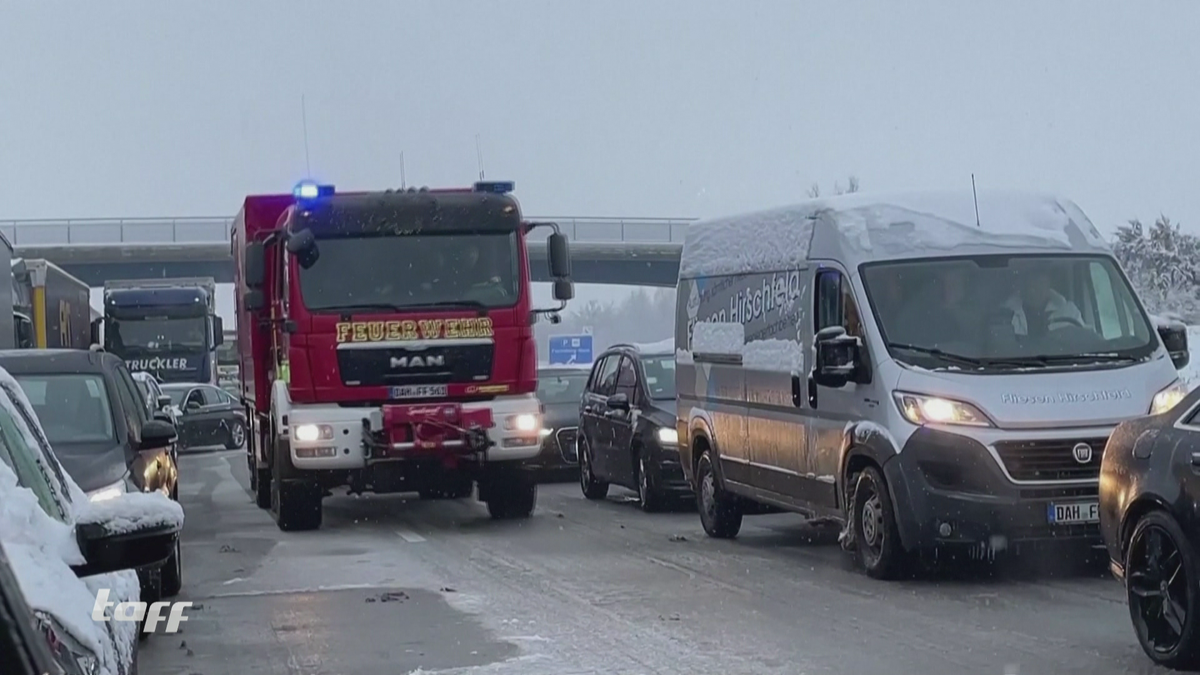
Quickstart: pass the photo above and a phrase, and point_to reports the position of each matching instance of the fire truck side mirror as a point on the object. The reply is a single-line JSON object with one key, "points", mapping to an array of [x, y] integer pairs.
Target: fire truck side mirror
{"points": [[563, 290], [559, 256], [254, 300], [256, 265]]}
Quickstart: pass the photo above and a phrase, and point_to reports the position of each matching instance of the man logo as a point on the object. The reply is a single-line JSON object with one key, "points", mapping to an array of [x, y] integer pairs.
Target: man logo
{"points": [[417, 361], [1082, 452]]}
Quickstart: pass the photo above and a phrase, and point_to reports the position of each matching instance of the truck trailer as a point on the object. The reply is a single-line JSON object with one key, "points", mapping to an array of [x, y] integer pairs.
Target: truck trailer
{"points": [[166, 327], [386, 343], [51, 308]]}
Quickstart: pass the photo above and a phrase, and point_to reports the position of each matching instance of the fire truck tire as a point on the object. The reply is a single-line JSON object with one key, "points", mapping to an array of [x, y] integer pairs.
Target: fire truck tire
{"points": [[512, 496], [262, 488], [295, 502]]}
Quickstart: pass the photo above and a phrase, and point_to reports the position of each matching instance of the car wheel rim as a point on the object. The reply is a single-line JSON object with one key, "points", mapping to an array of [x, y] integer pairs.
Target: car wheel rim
{"points": [[871, 521], [1158, 588], [239, 435]]}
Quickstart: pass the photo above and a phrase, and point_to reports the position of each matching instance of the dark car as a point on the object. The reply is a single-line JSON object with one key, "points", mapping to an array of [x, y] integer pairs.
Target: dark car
{"points": [[1149, 488], [26, 652], [627, 432], [210, 415], [559, 389], [95, 420]]}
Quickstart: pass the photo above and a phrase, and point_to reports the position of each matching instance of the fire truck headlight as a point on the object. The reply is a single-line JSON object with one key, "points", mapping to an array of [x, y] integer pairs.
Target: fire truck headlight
{"points": [[312, 432], [523, 422]]}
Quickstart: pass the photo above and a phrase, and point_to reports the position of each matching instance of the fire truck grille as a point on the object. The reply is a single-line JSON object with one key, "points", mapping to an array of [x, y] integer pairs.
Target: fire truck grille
{"points": [[393, 366]]}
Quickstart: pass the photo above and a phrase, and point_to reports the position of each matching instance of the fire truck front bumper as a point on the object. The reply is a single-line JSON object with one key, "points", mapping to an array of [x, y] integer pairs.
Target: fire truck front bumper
{"points": [[330, 437]]}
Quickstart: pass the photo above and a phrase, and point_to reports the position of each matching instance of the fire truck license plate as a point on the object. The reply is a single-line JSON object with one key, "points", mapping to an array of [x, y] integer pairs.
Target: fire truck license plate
{"points": [[419, 391]]}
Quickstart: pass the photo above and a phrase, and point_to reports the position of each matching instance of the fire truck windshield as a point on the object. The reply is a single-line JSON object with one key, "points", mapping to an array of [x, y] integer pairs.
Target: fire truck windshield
{"points": [[475, 268]]}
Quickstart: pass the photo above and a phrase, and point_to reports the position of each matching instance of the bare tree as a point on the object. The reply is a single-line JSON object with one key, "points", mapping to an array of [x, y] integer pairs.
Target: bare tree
{"points": [[814, 191], [850, 187]]}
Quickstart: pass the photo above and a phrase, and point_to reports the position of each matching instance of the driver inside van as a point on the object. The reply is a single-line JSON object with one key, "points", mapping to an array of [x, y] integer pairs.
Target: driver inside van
{"points": [[1038, 308]]}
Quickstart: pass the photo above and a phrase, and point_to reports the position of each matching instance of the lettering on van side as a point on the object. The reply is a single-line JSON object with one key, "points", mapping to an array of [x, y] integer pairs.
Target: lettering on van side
{"points": [[775, 293], [1068, 397]]}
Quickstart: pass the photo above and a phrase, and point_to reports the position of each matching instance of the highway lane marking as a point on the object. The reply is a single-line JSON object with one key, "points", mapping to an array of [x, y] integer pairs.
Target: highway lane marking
{"points": [[409, 536]]}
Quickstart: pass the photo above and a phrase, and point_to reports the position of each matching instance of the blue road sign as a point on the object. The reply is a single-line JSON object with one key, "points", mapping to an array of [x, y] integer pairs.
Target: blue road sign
{"points": [[565, 349]]}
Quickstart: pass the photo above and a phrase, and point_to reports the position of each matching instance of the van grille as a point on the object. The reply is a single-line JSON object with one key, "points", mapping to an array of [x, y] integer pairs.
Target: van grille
{"points": [[1050, 460]]}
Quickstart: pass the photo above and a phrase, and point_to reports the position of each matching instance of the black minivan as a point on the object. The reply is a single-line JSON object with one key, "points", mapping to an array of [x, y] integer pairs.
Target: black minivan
{"points": [[627, 430]]}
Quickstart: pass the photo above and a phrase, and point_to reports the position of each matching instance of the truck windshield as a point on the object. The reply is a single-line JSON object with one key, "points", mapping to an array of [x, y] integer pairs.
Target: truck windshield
{"points": [[1005, 311], [413, 270], [159, 334]]}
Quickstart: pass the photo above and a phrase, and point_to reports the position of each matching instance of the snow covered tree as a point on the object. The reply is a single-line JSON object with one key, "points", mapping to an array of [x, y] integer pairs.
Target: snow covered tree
{"points": [[1163, 263]]}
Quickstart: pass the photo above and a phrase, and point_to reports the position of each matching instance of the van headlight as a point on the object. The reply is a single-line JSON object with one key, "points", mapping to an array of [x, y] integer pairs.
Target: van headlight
{"points": [[1168, 398], [667, 436], [922, 409]]}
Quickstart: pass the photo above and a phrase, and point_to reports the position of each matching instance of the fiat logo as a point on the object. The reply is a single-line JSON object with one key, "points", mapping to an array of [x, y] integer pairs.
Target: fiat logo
{"points": [[1082, 452]]}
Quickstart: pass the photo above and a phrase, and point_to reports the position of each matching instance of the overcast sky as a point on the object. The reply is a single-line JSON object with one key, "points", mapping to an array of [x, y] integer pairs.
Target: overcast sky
{"points": [[644, 107]]}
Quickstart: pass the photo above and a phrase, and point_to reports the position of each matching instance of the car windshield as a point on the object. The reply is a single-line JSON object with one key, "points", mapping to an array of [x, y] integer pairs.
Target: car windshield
{"points": [[1008, 311], [413, 270], [561, 387], [660, 376], [158, 334], [73, 408]]}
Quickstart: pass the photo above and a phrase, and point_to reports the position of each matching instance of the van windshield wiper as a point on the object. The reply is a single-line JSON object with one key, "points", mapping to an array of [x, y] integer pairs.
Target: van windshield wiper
{"points": [[945, 356], [1086, 357]]}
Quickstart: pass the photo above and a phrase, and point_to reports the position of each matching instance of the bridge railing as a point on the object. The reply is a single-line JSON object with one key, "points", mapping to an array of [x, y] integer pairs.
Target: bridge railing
{"points": [[141, 231]]}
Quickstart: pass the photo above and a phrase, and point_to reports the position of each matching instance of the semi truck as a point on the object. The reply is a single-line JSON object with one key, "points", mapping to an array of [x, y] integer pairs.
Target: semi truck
{"points": [[228, 373], [386, 345], [50, 307], [168, 328]]}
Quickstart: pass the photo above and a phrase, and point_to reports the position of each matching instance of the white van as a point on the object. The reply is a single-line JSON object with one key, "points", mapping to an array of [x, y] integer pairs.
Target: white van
{"points": [[928, 370]]}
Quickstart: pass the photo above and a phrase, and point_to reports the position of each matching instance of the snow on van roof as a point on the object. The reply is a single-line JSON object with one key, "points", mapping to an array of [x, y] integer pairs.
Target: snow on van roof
{"points": [[864, 227]]}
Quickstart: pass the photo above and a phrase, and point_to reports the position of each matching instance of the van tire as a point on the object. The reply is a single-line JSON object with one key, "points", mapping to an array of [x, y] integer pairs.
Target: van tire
{"points": [[593, 488], [720, 512], [878, 550]]}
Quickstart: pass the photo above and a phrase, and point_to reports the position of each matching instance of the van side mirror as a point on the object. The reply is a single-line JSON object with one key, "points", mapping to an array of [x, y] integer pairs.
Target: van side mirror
{"points": [[558, 255], [256, 265], [837, 357], [254, 300], [1175, 339], [563, 290]]}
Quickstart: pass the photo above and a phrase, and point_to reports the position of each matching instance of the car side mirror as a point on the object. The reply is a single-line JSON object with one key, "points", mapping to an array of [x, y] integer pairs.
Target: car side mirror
{"points": [[837, 357], [132, 531], [157, 434], [1175, 339], [618, 402]]}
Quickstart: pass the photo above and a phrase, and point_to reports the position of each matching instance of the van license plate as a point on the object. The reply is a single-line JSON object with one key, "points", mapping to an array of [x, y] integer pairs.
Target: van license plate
{"points": [[1077, 512], [420, 391]]}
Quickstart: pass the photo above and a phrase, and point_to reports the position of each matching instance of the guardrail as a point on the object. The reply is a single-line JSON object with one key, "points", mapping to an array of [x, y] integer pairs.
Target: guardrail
{"points": [[116, 231]]}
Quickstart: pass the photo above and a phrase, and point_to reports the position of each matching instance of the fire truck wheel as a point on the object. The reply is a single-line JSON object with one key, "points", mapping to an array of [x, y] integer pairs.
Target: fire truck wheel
{"points": [[295, 503], [262, 488], [512, 496]]}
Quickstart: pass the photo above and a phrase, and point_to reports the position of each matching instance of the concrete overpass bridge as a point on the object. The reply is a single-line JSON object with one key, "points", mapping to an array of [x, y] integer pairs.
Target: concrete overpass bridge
{"points": [[641, 251]]}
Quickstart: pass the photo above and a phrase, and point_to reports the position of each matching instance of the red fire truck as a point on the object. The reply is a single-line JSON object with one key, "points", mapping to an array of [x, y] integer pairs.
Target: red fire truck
{"points": [[386, 344]]}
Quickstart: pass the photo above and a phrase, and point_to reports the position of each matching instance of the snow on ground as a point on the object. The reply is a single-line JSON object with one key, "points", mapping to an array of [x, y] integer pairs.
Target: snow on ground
{"points": [[134, 511]]}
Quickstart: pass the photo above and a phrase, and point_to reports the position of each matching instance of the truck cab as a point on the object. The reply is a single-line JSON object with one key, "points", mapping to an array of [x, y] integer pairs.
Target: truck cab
{"points": [[166, 328]]}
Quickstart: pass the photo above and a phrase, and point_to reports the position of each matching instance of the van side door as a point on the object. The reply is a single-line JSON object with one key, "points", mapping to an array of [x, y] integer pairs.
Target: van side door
{"points": [[835, 305]]}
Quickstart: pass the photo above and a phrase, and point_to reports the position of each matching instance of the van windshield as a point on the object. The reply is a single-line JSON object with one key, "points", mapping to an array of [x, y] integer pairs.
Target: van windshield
{"points": [[1008, 311]]}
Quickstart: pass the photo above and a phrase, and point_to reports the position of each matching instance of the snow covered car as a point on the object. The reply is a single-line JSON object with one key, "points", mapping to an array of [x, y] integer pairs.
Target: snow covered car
{"points": [[64, 548]]}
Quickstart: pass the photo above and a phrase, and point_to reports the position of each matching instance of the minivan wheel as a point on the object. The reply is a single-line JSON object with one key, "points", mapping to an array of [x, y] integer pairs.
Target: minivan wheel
{"points": [[593, 489], [878, 549], [1160, 584], [720, 513]]}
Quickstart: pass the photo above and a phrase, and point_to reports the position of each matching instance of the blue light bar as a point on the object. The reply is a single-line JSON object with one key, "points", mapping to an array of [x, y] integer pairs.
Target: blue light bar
{"points": [[307, 189], [496, 187]]}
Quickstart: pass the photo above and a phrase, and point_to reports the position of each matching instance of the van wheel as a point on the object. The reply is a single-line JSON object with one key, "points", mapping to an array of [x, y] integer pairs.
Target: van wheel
{"points": [[877, 539], [593, 488], [720, 513]]}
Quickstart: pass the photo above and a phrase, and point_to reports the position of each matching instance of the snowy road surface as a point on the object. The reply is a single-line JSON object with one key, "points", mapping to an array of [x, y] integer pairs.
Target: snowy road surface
{"points": [[389, 586]]}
